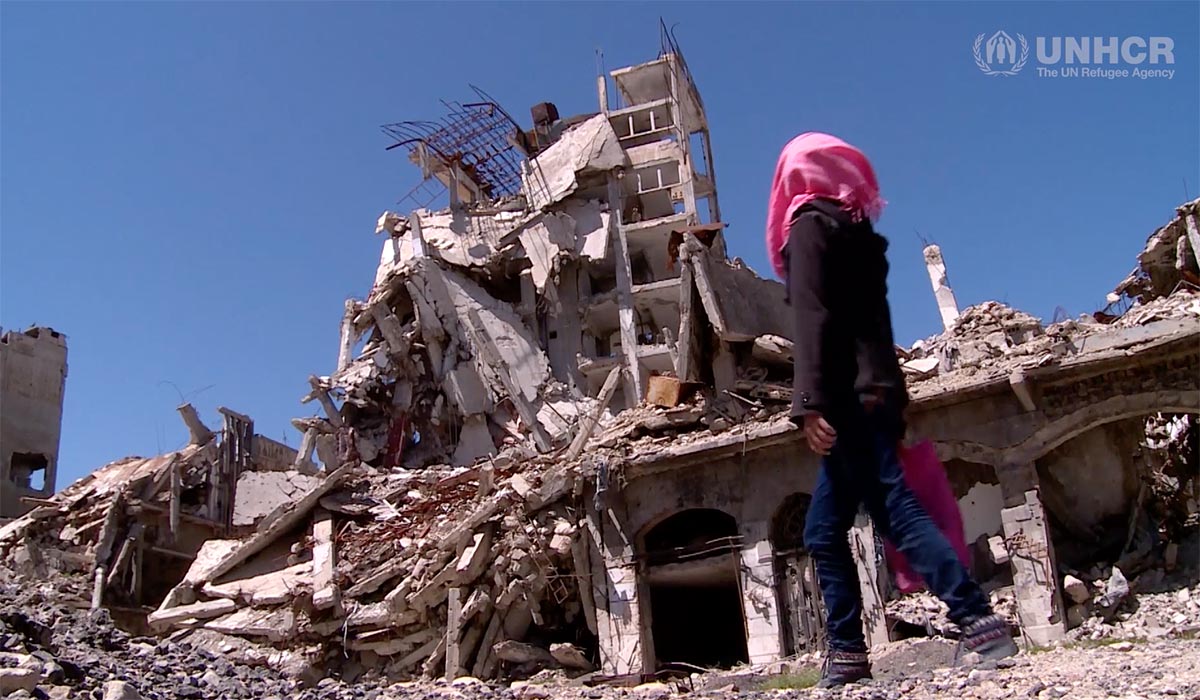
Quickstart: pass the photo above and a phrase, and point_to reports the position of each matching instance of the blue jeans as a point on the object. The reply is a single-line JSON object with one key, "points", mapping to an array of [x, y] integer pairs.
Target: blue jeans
{"points": [[864, 467]]}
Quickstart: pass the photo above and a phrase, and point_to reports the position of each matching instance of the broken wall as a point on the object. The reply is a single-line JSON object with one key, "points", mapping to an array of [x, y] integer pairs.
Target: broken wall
{"points": [[751, 489], [33, 374]]}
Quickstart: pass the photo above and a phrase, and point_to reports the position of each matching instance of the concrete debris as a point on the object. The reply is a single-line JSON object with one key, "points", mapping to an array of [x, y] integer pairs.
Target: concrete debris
{"points": [[1076, 589], [589, 149], [1171, 257], [561, 406]]}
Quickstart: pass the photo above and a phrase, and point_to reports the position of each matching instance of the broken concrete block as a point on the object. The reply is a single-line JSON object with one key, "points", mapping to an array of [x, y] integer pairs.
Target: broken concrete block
{"points": [[14, 679], [120, 690], [325, 592], [271, 588], [474, 441], [259, 493], [198, 432], [197, 611], [772, 350], [520, 485], [589, 148], [1115, 591], [1077, 590], [1076, 614], [515, 652], [465, 390], [518, 347], [591, 228], [474, 558], [277, 625], [571, 656], [997, 550], [543, 240]]}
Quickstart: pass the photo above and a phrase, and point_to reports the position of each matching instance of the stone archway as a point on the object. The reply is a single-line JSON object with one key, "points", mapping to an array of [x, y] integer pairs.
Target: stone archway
{"points": [[1097, 415], [691, 570]]}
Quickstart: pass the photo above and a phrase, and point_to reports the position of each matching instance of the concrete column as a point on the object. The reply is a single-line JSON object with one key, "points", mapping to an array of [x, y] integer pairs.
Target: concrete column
{"points": [[942, 292], [1035, 578], [862, 547], [1193, 236], [763, 634], [629, 344], [348, 336], [622, 625], [198, 432]]}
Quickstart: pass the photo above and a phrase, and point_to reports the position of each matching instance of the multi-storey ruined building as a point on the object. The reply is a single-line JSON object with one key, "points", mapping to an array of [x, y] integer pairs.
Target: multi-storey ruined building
{"points": [[33, 376], [556, 433]]}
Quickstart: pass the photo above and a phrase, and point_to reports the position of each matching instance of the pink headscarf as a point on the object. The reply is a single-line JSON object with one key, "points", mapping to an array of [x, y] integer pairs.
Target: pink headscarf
{"points": [[818, 165]]}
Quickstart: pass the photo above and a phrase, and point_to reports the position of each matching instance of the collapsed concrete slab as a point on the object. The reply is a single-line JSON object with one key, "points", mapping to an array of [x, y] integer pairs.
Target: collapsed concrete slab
{"points": [[589, 148]]}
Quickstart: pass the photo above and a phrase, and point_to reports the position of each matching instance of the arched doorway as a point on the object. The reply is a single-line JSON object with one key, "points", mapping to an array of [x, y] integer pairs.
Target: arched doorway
{"points": [[802, 612], [692, 570]]}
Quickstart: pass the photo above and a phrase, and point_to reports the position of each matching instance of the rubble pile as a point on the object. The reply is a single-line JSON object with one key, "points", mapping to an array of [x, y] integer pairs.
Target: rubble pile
{"points": [[1173, 446], [921, 614], [991, 340], [50, 649], [487, 552], [1170, 259], [1152, 606]]}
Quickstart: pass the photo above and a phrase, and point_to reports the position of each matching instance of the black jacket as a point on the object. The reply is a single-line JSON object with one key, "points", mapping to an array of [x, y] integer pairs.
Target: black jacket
{"points": [[837, 289]]}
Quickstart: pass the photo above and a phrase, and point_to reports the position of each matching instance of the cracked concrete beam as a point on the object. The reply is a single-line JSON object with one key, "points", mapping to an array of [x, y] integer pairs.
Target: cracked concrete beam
{"points": [[390, 328], [1021, 388], [348, 336], [324, 561], [321, 394], [198, 432]]}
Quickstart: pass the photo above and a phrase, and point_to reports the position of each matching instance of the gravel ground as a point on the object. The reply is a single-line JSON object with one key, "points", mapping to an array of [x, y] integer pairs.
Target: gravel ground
{"points": [[48, 650]]}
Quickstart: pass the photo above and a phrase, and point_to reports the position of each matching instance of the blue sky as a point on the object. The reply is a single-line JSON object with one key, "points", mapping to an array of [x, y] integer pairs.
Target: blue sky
{"points": [[188, 190]]}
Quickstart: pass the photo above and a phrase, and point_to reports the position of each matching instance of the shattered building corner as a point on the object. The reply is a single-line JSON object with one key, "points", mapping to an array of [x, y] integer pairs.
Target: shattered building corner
{"points": [[33, 375], [557, 428]]}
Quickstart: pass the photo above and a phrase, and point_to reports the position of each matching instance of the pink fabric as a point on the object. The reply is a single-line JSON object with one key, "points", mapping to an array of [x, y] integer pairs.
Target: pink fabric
{"points": [[818, 165], [926, 478]]}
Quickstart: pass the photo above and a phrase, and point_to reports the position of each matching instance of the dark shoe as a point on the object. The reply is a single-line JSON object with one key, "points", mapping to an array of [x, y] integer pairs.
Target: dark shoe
{"points": [[843, 667], [988, 636]]}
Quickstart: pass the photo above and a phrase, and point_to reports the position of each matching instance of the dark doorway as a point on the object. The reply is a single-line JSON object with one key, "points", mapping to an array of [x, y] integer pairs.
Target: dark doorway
{"points": [[692, 571]]}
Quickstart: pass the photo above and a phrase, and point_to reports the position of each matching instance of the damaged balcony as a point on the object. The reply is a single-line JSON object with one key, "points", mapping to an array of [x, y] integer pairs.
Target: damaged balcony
{"points": [[642, 124], [665, 78]]}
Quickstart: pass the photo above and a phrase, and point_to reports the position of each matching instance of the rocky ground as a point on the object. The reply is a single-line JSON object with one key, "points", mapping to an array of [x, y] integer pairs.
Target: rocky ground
{"points": [[48, 650]]}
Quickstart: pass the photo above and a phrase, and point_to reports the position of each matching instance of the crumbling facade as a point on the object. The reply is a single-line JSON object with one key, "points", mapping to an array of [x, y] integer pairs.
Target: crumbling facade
{"points": [[557, 435], [33, 376]]}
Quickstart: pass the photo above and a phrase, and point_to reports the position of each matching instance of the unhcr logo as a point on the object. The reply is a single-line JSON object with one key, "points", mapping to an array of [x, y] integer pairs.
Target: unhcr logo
{"points": [[1077, 57], [998, 54]]}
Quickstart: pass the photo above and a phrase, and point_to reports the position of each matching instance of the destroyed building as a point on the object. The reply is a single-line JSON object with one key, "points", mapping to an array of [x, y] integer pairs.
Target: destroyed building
{"points": [[33, 376], [557, 434]]}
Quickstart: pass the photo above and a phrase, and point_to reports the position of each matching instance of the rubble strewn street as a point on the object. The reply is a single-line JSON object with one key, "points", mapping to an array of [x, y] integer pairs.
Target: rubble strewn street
{"points": [[52, 649], [554, 459]]}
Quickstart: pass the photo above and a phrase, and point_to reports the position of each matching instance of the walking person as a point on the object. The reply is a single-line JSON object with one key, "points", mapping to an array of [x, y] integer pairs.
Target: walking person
{"points": [[849, 396]]}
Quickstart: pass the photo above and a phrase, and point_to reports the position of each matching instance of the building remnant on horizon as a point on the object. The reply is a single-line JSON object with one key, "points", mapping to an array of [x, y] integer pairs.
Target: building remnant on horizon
{"points": [[33, 376]]}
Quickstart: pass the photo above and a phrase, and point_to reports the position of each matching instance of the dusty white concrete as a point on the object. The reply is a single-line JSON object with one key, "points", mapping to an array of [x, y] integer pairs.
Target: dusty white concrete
{"points": [[474, 442], [590, 147], [259, 493], [518, 347], [981, 511]]}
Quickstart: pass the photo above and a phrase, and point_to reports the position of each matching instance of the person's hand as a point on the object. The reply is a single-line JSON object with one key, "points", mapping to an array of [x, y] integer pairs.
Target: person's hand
{"points": [[819, 433]]}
